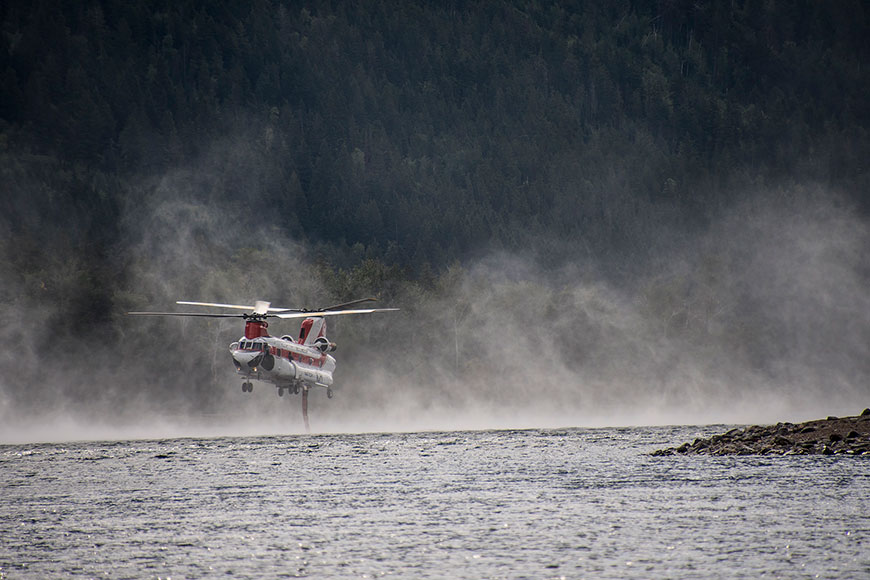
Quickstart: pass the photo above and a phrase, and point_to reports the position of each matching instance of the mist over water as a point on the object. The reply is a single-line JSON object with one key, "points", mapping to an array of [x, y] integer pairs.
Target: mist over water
{"points": [[762, 316]]}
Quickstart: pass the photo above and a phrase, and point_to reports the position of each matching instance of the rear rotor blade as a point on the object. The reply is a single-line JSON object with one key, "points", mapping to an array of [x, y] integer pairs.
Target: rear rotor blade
{"points": [[346, 304], [318, 314]]}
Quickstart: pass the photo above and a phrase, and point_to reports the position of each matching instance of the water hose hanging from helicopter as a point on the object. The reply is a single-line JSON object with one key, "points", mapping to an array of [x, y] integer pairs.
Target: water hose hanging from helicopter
{"points": [[305, 408]]}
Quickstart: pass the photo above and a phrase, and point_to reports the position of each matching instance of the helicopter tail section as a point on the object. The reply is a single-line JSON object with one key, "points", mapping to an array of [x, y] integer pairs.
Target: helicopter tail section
{"points": [[311, 330]]}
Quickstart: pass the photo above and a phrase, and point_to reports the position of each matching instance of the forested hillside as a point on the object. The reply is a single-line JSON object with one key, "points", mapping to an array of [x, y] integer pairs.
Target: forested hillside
{"points": [[433, 128], [219, 148]]}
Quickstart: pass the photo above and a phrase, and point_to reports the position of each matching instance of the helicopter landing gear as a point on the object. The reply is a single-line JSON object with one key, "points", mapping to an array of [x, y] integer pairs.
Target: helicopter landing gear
{"points": [[280, 391], [247, 387], [329, 392]]}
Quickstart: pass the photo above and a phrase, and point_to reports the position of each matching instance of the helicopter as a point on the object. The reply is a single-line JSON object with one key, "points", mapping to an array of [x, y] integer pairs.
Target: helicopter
{"points": [[293, 365]]}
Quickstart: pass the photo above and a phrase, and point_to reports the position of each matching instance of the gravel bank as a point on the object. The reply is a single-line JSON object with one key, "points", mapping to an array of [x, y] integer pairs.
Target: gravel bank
{"points": [[831, 436]]}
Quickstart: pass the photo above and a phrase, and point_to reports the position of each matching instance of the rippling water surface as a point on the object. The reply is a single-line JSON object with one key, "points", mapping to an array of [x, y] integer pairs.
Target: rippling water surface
{"points": [[487, 504]]}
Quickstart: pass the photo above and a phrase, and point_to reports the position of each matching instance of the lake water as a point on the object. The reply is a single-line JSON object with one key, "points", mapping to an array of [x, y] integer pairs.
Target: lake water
{"points": [[572, 503]]}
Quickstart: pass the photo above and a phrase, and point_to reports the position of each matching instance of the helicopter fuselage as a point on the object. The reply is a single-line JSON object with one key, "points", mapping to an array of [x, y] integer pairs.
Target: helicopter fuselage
{"points": [[282, 361]]}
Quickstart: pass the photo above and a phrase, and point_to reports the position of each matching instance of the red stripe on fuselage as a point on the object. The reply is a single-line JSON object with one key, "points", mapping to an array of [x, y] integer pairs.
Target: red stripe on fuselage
{"points": [[288, 355]]}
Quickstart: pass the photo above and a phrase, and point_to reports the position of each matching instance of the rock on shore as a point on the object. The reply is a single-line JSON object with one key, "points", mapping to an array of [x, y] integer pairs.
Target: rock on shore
{"points": [[831, 436]]}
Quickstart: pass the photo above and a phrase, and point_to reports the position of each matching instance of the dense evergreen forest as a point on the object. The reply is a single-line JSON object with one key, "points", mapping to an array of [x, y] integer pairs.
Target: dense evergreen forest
{"points": [[154, 150]]}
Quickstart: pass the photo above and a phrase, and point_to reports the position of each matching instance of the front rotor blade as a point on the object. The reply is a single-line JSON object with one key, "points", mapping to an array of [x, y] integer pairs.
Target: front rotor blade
{"points": [[215, 305], [200, 314], [236, 306], [332, 313]]}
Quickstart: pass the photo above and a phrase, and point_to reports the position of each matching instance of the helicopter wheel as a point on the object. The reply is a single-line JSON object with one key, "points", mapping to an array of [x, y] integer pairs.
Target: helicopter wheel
{"points": [[329, 393], [280, 391], [245, 387], [296, 389]]}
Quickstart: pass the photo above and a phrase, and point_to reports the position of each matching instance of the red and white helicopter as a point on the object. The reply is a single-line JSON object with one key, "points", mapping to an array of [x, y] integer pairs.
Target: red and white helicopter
{"points": [[292, 365]]}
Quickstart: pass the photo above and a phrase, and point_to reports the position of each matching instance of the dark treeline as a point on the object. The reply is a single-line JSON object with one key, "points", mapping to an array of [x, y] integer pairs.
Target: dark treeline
{"points": [[394, 139], [423, 130]]}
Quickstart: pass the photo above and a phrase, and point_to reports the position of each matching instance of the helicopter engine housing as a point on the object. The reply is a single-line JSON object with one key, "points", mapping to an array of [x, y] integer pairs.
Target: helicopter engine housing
{"points": [[324, 345]]}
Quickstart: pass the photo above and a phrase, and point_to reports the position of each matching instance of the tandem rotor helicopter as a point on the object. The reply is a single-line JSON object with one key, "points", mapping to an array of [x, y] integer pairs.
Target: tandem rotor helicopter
{"points": [[292, 365]]}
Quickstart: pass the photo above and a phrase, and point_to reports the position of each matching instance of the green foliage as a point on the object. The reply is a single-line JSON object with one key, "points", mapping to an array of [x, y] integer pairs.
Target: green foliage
{"points": [[381, 117]]}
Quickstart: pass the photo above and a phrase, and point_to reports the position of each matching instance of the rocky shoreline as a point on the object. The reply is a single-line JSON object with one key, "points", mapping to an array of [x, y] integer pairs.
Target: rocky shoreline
{"points": [[831, 436]]}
